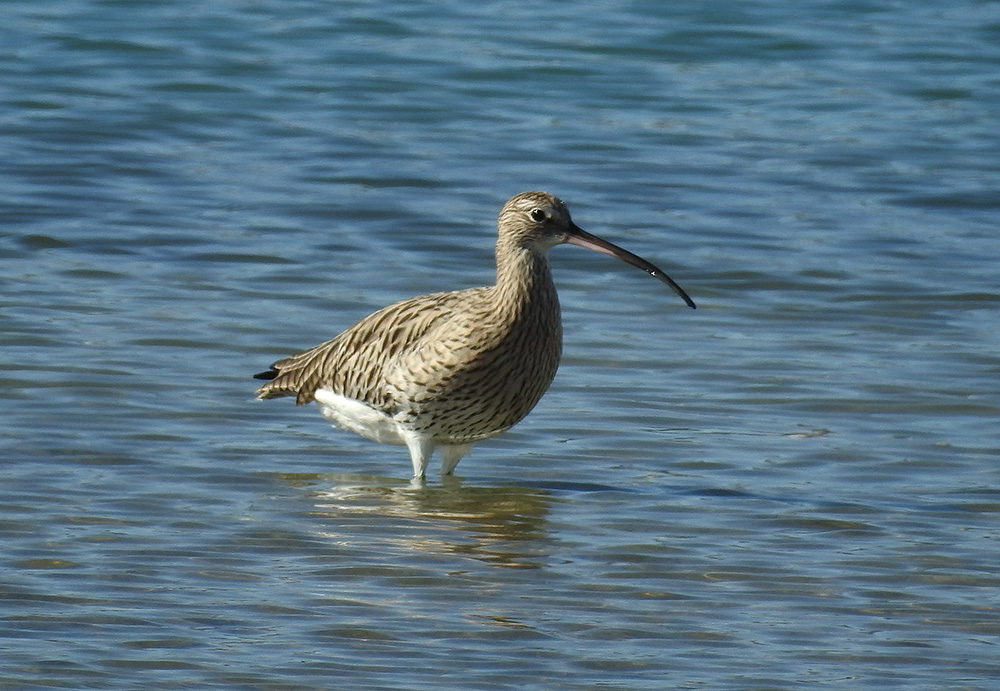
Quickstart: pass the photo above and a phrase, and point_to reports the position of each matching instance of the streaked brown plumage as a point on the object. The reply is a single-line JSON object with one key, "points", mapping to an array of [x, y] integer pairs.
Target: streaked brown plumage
{"points": [[447, 370]]}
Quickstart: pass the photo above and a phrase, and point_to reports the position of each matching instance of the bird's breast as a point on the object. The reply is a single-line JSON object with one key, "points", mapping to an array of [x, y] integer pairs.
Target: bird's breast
{"points": [[480, 375]]}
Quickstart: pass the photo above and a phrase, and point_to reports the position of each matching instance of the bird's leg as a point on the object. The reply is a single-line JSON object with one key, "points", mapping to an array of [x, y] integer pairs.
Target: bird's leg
{"points": [[421, 448], [451, 455]]}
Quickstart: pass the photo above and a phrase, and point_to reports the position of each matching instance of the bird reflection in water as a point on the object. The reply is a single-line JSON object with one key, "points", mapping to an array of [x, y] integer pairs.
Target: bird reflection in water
{"points": [[501, 525]]}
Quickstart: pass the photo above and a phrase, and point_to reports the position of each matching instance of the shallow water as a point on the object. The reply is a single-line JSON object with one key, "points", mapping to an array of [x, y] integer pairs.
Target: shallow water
{"points": [[794, 486]]}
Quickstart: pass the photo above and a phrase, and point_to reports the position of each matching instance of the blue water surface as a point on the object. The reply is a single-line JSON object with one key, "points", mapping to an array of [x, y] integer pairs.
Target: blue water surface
{"points": [[794, 486]]}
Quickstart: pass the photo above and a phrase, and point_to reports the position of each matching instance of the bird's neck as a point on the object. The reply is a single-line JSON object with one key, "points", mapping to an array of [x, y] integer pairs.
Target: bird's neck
{"points": [[524, 281]]}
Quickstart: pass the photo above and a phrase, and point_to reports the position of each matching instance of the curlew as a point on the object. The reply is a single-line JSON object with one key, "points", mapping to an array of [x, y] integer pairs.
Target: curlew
{"points": [[447, 370]]}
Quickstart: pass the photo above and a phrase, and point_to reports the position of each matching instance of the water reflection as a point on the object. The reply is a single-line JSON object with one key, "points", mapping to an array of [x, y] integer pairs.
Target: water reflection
{"points": [[503, 525]]}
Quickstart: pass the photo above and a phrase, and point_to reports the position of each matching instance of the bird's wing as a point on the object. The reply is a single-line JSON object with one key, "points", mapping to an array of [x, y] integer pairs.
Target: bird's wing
{"points": [[355, 363]]}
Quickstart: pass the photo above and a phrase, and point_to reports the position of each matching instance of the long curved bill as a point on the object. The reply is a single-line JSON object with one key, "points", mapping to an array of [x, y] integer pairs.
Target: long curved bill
{"points": [[578, 236]]}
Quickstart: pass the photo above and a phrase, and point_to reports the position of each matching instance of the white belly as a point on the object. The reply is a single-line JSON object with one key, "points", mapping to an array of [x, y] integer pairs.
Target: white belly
{"points": [[359, 417]]}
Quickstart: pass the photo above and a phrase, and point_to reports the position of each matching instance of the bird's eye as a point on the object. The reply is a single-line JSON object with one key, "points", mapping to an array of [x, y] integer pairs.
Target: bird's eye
{"points": [[537, 215]]}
